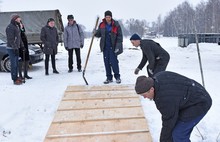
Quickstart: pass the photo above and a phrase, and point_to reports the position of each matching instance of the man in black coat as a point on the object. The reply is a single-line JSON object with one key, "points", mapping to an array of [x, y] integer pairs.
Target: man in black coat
{"points": [[111, 45], [182, 101], [157, 57], [49, 37]]}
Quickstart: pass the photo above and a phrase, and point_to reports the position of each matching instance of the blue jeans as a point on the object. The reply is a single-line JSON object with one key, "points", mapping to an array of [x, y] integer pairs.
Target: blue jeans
{"points": [[111, 63], [183, 130], [14, 63]]}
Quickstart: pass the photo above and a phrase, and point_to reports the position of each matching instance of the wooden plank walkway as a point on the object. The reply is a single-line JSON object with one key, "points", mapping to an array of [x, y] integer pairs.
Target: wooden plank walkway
{"points": [[99, 114]]}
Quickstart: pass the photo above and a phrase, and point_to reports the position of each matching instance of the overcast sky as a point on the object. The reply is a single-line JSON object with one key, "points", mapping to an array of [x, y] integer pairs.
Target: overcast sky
{"points": [[86, 11]]}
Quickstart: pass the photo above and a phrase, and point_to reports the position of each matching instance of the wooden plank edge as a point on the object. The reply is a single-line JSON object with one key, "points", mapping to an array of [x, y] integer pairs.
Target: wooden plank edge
{"points": [[98, 133], [71, 109], [67, 99], [91, 120]]}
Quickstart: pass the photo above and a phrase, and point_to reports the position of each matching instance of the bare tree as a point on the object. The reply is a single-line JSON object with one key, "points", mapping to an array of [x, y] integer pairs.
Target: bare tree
{"points": [[179, 20], [137, 26]]}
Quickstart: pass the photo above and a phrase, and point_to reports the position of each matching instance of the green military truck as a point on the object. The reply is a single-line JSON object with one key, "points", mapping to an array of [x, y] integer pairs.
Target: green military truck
{"points": [[33, 22]]}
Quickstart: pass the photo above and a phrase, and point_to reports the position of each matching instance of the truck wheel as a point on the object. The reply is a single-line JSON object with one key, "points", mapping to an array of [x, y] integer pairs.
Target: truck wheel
{"points": [[7, 64]]}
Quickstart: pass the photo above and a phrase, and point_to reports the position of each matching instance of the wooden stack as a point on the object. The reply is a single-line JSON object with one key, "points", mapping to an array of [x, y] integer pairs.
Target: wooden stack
{"points": [[99, 114]]}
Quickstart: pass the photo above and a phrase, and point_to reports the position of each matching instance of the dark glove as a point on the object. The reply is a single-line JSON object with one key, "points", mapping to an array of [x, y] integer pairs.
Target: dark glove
{"points": [[23, 48], [66, 48], [136, 71], [16, 52], [81, 45]]}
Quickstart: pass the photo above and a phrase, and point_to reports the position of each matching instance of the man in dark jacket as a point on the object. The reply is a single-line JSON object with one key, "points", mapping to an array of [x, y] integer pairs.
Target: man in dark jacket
{"points": [[13, 44], [49, 37], [111, 45], [182, 101], [157, 57]]}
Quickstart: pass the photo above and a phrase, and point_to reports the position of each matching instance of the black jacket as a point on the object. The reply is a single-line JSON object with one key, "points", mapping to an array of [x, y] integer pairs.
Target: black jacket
{"points": [[152, 51], [24, 56], [13, 35], [49, 37], [116, 36], [178, 98]]}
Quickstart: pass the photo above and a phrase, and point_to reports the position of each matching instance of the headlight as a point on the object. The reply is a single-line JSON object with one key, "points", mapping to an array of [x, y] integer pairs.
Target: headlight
{"points": [[31, 52]]}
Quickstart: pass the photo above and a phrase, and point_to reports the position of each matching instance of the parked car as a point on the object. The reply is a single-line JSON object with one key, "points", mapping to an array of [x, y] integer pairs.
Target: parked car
{"points": [[36, 55]]}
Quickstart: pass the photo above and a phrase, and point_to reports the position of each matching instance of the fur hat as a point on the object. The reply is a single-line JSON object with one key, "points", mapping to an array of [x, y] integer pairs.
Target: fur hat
{"points": [[15, 16], [108, 13], [143, 84], [135, 37]]}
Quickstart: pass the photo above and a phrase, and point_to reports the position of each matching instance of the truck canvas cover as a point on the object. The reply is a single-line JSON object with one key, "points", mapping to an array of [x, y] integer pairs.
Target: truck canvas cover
{"points": [[33, 22]]}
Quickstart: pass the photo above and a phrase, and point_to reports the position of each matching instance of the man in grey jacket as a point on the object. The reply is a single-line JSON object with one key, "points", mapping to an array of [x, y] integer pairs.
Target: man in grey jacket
{"points": [[73, 40]]}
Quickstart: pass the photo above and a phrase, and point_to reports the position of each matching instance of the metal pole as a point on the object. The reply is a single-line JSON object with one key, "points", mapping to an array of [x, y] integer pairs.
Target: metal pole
{"points": [[200, 65]]}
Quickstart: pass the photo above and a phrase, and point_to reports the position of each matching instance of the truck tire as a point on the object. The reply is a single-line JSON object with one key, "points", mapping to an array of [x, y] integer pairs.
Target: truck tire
{"points": [[7, 64]]}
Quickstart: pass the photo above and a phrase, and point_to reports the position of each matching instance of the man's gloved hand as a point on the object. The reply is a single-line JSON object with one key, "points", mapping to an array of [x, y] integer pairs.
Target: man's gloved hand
{"points": [[16, 52], [150, 71], [136, 71], [116, 51], [23, 48], [81, 45]]}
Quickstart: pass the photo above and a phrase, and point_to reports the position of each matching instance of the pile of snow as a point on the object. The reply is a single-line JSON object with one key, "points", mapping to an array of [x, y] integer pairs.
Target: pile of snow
{"points": [[26, 111]]}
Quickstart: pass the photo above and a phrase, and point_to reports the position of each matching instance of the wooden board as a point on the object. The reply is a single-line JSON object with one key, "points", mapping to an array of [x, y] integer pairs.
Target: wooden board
{"points": [[99, 114]]}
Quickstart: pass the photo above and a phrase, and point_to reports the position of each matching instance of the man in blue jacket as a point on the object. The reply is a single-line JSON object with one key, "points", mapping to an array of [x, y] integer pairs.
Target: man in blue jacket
{"points": [[111, 45], [182, 101], [157, 57]]}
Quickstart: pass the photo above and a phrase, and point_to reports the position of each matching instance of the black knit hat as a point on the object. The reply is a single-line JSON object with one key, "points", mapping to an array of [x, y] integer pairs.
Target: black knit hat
{"points": [[108, 13], [50, 19], [70, 17], [143, 84], [135, 37]]}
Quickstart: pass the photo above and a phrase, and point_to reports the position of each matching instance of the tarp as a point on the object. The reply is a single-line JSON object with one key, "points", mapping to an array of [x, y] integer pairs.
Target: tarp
{"points": [[33, 22]]}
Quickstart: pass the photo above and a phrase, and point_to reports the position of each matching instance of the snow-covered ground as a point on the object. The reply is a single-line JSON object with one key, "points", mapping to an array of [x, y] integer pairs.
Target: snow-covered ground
{"points": [[26, 111]]}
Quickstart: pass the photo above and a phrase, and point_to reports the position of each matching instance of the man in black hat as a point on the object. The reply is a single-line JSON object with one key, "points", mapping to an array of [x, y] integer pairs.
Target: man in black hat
{"points": [[111, 45], [182, 101], [73, 41], [157, 57]]}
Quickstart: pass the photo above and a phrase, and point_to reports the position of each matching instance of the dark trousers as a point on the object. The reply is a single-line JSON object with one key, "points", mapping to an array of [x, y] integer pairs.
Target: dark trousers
{"points": [[14, 63], [183, 130], [23, 65], [47, 56], [160, 65], [78, 58], [111, 63]]}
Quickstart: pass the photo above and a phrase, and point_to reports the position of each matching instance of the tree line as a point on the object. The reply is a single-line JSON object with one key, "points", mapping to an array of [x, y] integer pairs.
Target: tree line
{"points": [[204, 18]]}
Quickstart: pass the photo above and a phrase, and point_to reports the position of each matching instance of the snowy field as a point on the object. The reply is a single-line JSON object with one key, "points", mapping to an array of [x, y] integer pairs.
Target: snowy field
{"points": [[26, 111]]}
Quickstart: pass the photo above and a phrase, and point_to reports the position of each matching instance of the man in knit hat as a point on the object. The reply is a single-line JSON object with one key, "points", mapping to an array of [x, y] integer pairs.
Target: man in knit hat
{"points": [[73, 41], [157, 57], [111, 45], [182, 102], [14, 42]]}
